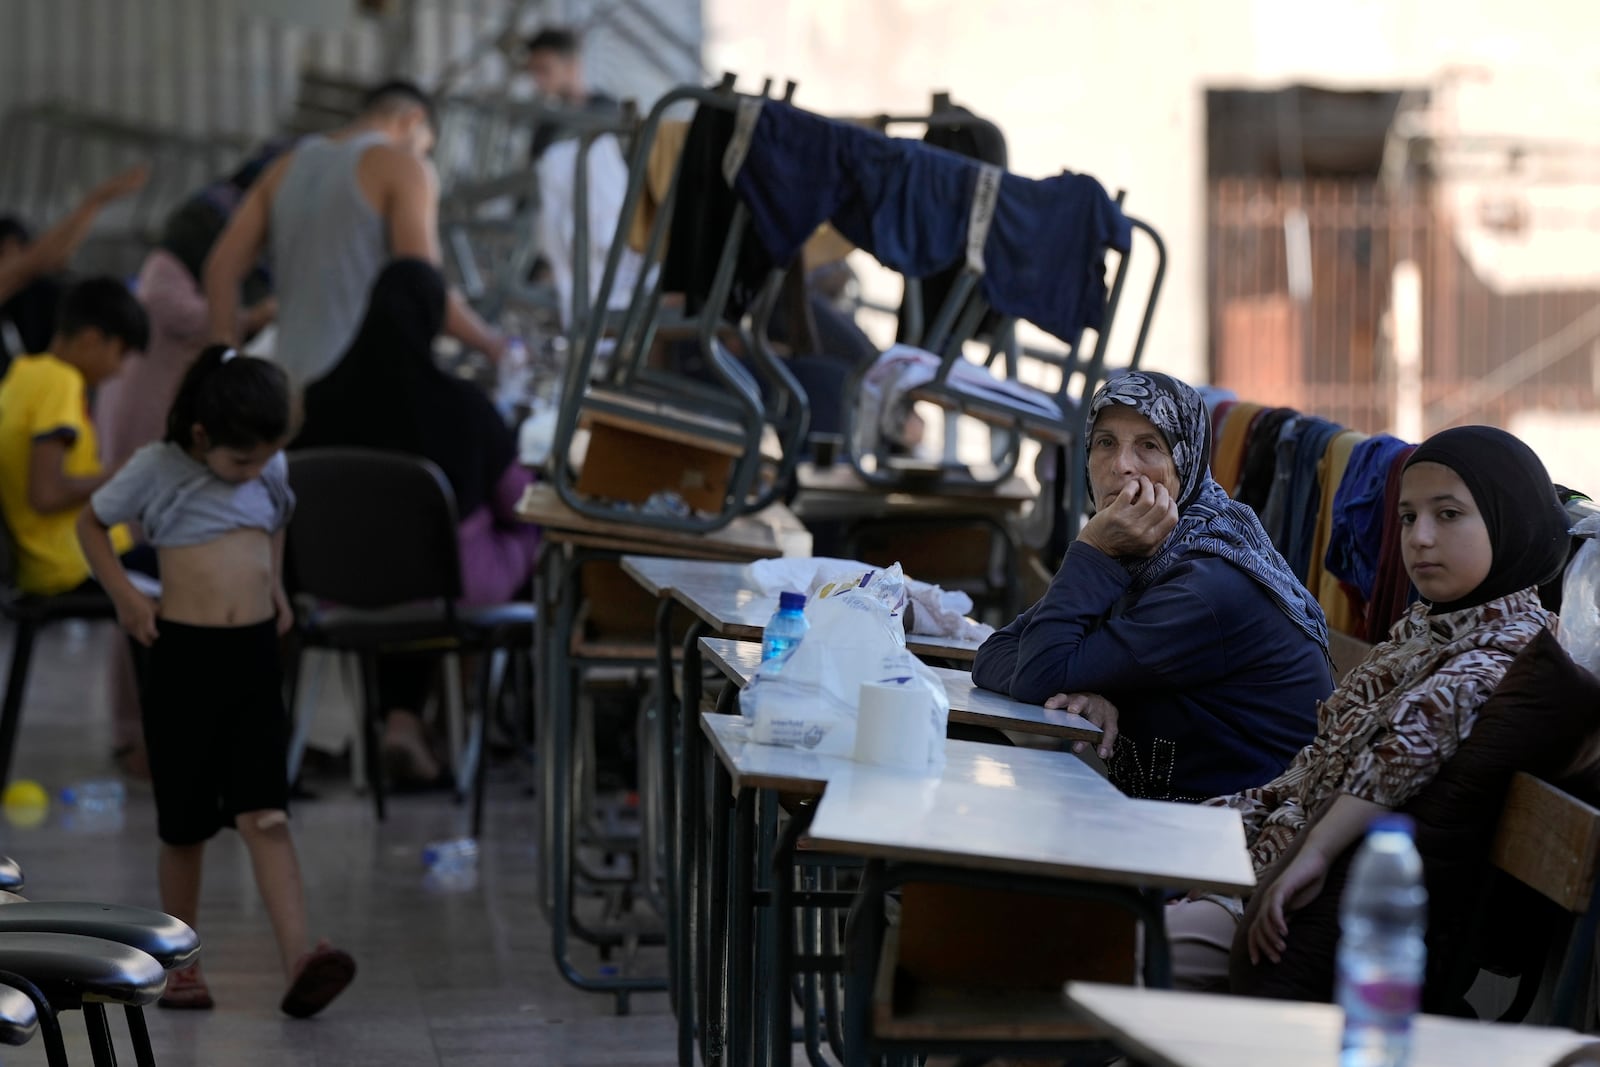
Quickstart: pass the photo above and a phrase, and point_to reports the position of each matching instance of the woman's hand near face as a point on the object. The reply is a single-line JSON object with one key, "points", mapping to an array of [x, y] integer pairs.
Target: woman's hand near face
{"points": [[1134, 523]]}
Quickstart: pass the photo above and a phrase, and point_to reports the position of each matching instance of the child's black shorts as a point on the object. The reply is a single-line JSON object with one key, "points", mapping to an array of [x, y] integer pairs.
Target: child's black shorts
{"points": [[215, 726]]}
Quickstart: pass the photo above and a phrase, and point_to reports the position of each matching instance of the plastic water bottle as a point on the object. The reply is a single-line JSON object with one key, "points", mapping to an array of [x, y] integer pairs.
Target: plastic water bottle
{"points": [[786, 627], [1381, 952], [511, 388], [451, 864], [104, 796]]}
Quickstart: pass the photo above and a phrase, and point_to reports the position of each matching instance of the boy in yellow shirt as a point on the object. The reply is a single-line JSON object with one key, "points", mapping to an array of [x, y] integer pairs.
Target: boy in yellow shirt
{"points": [[49, 457]]}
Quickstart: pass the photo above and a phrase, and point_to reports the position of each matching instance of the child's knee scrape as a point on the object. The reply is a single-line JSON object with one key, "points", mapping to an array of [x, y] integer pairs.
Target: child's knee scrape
{"points": [[271, 820]]}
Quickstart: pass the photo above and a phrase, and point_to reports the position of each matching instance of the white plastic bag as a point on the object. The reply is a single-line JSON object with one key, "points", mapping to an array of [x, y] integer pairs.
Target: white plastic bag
{"points": [[809, 699], [1580, 599], [938, 612]]}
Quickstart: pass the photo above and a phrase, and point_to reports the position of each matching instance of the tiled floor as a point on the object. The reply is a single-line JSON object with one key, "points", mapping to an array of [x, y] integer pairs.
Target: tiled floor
{"points": [[454, 980]]}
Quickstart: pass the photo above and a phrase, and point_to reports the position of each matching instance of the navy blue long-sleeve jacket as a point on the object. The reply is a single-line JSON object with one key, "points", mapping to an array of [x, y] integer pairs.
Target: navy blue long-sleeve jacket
{"points": [[1215, 688]]}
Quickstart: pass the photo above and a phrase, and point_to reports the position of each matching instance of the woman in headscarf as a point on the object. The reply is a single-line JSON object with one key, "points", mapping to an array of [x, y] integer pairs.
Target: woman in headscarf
{"points": [[388, 393], [1482, 529], [1173, 623], [131, 408]]}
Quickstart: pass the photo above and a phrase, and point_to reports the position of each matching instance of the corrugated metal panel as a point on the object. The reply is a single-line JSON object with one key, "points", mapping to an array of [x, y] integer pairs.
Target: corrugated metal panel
{"points": [[91, 85], [214, 67]]}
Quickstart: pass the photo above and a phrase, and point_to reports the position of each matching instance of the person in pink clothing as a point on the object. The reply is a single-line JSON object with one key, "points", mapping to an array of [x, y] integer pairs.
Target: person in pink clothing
{"points": [[130, 410]]}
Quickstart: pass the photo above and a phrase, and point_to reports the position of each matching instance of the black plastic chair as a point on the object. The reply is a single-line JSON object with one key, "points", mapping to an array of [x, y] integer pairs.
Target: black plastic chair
{"points": [[69, 972], [374, 535], [28, 613]]}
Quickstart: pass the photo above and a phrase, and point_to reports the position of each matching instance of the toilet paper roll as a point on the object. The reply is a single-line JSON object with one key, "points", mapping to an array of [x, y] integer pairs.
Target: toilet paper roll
{"points": [[893, 727]]}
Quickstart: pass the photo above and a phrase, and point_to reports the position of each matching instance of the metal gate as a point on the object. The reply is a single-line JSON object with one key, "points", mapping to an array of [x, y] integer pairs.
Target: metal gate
{"points": [[1342, 299]]}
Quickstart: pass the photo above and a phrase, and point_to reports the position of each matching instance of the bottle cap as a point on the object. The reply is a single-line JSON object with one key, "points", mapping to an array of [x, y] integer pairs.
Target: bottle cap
{"points": [[791, 601], [1393, 823]]}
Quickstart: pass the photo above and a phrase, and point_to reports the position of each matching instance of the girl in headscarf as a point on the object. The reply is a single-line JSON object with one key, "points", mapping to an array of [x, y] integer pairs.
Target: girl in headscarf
{"points": [[1482, 529], [1173, 623], [387, 393]]}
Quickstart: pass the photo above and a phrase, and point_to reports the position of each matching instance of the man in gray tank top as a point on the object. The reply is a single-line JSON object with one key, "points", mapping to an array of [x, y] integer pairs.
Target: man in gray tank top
{"points": [[334, 212]]}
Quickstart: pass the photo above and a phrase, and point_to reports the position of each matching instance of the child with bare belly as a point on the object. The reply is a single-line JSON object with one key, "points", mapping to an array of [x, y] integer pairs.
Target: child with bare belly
{"points": [[214, 499]]}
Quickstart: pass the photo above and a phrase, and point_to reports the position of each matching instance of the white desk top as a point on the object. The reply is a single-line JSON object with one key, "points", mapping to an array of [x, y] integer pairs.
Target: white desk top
{"points": [[1168, 1029], [661, 575], [795, 770], [719, 594], [968, 704], [997, 818]]}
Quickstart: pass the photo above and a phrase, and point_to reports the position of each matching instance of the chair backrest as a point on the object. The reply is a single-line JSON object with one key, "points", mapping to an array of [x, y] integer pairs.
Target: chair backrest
{"points": [[1549, 841], [371, 529]]}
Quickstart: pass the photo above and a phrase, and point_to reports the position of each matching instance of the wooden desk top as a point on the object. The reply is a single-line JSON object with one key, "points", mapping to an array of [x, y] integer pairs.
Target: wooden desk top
{"points": [[772, 532], [797, 771], [969, 704], [997, 818], [839, 492], [1171, 1029]]}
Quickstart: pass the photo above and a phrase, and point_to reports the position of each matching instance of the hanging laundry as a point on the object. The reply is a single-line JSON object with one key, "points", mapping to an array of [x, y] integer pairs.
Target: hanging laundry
{"points": [[1214, 395], [975, 140], [1305, 492], [901, 200], [702, 215], [665, 151], [1356, 535], [1038, 245], [1274, 513], [1343, 615], [1392, 591], [1261, 458], [1219, 415], [1228, 453]]}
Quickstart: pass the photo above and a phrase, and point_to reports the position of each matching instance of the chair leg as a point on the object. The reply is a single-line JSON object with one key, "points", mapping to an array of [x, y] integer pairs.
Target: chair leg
{"points": [[480, 768], [55, 1049], [100, 1046], [370, 719], [305, 696], [143, 1054], [354, 682], [455, 719], [16, 689]]}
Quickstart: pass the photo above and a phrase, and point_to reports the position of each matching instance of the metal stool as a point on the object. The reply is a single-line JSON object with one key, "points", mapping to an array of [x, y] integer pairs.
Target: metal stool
{"points": [[71, 971], [19, 1019], [170, 942], [10, 875]]}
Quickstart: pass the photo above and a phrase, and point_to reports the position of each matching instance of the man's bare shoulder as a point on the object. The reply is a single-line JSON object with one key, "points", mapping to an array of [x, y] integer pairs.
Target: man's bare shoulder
{"points": [[389, 159], [272, 177]]}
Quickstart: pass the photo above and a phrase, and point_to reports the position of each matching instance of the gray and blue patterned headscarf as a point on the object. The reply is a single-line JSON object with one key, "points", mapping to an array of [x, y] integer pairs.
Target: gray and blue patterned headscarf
{"points": [[1209, 521]]}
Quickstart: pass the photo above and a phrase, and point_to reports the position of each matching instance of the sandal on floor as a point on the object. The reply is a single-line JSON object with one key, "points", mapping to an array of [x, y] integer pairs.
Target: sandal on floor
{"points": [[186, 991], [321, 975]]}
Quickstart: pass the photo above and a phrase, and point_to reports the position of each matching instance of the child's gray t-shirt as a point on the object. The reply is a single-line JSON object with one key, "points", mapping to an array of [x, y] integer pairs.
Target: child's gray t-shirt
{"points": [[178, 501]]}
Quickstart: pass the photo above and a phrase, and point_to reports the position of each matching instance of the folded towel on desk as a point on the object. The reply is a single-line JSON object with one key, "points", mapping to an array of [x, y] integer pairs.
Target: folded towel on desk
{"points": [[886, 389]]}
